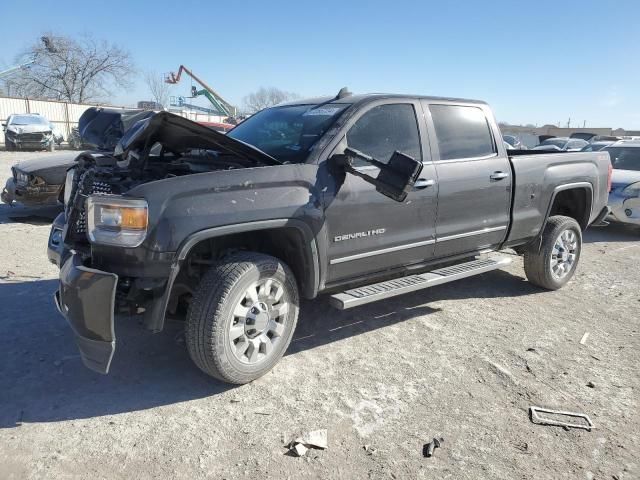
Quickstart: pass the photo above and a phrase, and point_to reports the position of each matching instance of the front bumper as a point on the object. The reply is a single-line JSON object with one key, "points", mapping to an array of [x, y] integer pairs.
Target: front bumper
{"points": [[8, 194], [86, 298], [625, 210], [24, 142], [30, 195]]}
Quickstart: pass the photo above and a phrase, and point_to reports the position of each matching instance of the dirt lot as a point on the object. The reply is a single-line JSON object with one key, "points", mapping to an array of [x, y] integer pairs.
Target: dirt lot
{"points": [[463, 361]]}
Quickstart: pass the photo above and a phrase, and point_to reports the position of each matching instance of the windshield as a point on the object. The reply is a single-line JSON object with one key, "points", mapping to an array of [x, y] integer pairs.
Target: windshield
{"points": [[29, 120], [624, 158], [287, 133], [558, 142]]}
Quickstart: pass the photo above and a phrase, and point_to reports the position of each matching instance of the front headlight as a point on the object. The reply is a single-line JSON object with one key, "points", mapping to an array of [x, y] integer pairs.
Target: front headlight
{"points": [[631, 191], [21, 177], [116, 221], [68, 185]]}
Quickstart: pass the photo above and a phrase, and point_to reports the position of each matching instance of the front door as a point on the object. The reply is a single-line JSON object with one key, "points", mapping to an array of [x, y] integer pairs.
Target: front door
{"points": [[474, 179], [369, 232]]}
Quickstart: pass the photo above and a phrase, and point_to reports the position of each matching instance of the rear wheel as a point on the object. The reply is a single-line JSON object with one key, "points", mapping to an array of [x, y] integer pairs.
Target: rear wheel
{"points": [[242, 317], [553, 264]]}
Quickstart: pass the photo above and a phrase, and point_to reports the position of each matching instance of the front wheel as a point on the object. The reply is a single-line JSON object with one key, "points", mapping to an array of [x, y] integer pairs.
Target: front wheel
{"points": [[242, 317], [553, 264]]}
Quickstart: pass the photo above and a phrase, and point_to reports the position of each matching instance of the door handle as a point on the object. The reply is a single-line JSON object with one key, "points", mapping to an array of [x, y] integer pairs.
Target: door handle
{"points": [[498, 175], [423, 183]]}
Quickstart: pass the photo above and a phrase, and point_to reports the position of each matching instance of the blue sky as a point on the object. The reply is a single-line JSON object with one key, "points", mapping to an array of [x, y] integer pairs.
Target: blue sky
{"points": [[534, 62]]}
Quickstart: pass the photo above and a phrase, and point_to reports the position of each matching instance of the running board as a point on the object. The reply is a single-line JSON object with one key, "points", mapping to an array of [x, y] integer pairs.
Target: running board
{"points": [[399, 286]]}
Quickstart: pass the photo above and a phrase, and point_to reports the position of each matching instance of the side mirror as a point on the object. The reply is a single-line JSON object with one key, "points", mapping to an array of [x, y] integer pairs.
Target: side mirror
{"points": [[394, 179], [4, 124]]}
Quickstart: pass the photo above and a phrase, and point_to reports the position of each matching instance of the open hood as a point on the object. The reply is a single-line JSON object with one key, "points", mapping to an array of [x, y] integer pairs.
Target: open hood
{"points": [[102, 128], [179, 135]]}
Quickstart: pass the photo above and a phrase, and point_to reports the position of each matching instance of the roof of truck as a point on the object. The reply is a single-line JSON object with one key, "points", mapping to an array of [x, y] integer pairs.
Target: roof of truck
{"points": [[364, 97]]}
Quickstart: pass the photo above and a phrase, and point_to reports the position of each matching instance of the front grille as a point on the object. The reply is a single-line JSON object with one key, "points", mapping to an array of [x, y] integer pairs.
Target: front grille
{"points": [[80, 226], [32, 137]]}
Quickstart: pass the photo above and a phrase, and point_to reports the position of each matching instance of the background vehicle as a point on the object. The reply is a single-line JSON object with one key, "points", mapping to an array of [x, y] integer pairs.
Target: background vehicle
{"points": [[513, 141], [38, 182], [596, 146], [28, 132], [624, 198], [563, 144], [363, 197]]}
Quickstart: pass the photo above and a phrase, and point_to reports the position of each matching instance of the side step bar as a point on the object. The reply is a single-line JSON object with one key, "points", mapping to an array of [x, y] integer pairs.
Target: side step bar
{"points": [[390, 288]]}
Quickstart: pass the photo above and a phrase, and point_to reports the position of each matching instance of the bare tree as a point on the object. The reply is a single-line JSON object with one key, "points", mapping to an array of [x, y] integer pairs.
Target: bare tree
{"points": [[75, 70], [266, 97], [158, 88]]}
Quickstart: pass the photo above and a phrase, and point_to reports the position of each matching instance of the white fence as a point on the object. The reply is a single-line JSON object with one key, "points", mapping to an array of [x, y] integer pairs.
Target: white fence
{"points": [[64, 116]]}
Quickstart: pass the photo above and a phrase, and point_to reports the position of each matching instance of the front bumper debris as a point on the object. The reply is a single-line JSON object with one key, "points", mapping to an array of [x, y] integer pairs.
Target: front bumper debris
{"points": [[86, 298]]}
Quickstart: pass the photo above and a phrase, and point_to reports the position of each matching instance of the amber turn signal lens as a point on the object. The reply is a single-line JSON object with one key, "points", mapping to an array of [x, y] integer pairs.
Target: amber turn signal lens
{"points": [[135, 218]]}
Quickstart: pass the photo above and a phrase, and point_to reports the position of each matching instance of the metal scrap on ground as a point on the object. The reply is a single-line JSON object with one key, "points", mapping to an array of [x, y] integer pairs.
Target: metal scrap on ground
{"points": [[534, 414], [314, 439], [428, 448]]}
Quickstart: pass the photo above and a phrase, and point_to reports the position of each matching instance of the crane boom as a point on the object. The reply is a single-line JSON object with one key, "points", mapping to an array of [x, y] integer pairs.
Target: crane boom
{"points": [[213, 96]]}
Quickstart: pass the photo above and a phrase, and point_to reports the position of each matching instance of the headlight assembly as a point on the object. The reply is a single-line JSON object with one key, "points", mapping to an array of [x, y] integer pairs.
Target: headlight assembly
{"points": [[116, 221], [631, 191]]}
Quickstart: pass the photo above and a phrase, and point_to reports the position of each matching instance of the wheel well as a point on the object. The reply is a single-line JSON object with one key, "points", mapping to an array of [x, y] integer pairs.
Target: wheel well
{"points": [[574, 203], [285, 243]]}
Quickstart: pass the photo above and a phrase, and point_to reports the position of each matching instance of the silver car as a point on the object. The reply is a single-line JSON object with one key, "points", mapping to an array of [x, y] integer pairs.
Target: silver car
{"points": [[624, 197]]}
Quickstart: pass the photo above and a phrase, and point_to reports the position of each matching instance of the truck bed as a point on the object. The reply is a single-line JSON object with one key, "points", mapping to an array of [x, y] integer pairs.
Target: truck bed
{"points": [[538, 176]]}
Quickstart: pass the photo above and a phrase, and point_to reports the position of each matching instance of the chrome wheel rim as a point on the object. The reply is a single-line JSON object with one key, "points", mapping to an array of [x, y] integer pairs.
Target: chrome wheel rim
{"points": [[258, 321], [564, 253]]}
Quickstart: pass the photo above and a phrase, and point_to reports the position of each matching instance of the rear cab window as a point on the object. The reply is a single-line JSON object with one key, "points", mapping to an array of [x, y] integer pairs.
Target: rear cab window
{"points": [[462, 132]]}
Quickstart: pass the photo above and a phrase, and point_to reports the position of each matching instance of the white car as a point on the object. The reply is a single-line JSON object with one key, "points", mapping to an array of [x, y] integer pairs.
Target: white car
{"points": [[624, 197], [28, 131]]}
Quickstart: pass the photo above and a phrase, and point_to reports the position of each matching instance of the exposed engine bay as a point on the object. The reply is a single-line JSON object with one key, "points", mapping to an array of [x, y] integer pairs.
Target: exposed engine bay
{"points": [[158, 147]]}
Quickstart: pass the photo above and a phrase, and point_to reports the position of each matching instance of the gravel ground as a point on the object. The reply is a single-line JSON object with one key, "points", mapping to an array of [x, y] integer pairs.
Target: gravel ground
{"points": [[463, 361]]}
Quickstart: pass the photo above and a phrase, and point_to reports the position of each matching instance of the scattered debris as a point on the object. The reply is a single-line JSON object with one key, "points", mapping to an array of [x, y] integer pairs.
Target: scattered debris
{"points": [[583, 340], [236, 400], [302, 443], [369, 449], [591, 385], [546, 420], [523, 447], [428, 448]]}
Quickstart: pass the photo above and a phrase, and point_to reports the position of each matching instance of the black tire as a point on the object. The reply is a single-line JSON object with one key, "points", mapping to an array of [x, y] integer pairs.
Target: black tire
{"points": [[211, 315], [537, 261]]}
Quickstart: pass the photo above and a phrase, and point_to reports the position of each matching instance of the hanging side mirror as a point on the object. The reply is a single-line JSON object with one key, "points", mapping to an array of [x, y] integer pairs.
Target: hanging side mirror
{"points": [[394, 179]]}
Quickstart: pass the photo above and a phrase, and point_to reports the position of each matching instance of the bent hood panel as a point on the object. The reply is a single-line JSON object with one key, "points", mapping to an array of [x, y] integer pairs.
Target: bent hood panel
{"points": [[102, 128], [179, 134]]}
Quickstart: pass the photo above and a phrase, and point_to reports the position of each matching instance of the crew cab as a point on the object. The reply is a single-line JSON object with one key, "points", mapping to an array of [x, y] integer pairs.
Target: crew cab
{"points": [[360, 197]]}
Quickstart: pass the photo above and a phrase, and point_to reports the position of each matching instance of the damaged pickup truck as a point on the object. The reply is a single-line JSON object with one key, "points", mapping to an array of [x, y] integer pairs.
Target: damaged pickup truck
{"points": [[362, 197]]}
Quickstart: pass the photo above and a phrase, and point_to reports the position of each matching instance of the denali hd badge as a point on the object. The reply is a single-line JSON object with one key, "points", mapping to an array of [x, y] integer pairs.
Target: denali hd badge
{"points": [[352, 236]]}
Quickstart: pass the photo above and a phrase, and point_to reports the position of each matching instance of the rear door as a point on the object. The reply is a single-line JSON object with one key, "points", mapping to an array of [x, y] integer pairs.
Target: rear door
{"points": [[369, 232], [474, 178]]}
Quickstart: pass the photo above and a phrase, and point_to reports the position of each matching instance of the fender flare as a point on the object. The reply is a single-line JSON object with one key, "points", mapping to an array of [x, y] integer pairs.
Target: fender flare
{"points": [[537, 241], [310, 282]]}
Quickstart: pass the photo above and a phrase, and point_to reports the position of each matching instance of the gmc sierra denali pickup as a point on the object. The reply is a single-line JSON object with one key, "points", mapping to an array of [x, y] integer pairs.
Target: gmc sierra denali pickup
{"points": [[361, 197]]}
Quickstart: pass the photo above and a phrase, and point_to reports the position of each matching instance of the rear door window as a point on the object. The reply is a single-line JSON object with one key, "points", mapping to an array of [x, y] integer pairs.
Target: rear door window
{"points": [[383, 130], [462, 132]]}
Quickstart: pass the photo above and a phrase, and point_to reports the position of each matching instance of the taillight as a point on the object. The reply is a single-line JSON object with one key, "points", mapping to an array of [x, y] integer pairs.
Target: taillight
{"points": [[609, 177]]}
